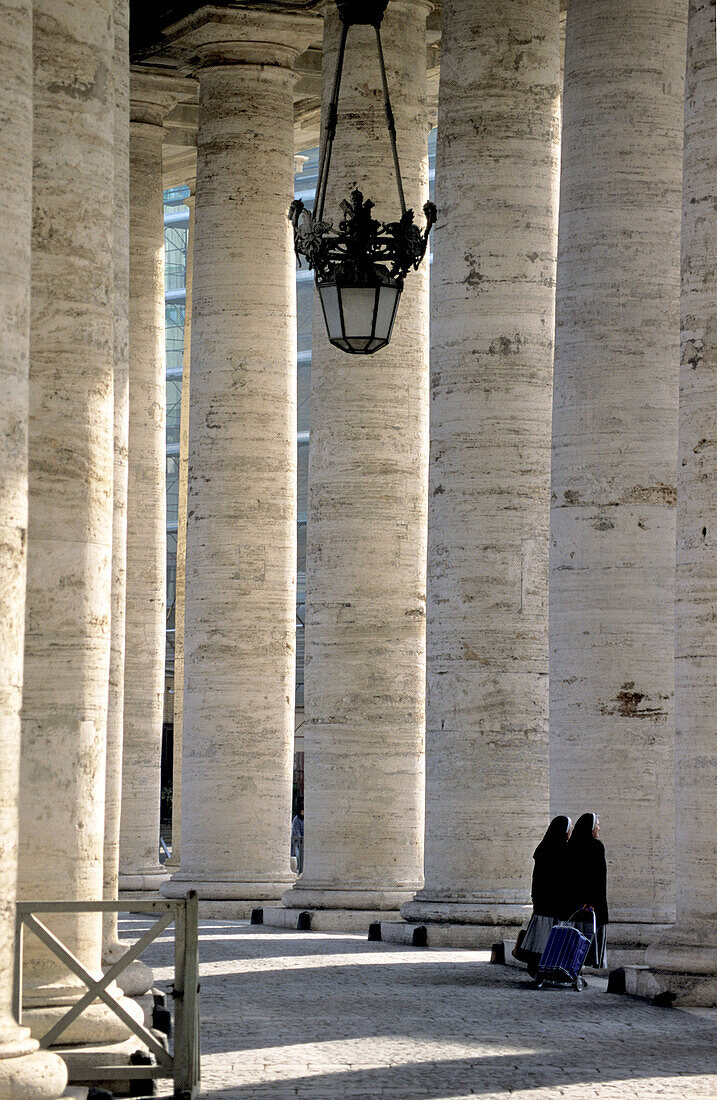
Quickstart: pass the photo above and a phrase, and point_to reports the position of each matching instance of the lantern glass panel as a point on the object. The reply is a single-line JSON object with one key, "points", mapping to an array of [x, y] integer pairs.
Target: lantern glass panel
{"points": [[329, 295], [386, 312], [359, 320], [359, 309]]}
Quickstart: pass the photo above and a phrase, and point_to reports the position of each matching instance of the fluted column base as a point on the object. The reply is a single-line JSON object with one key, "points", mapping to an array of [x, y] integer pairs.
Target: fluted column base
{"points": [[135, 979], [481, 910], [147, 878], [336, 897], [634, 936], [684, 961], [97, 1024], [28, 1073], [235, 890]]}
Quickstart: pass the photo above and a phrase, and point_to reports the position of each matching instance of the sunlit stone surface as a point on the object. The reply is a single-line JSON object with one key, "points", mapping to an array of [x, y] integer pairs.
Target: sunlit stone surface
{"points": [[69, 571], [240, 578], [25, 1072], [686, 959], [151, 98], [366, 536], [493, 287], [615, 444]]}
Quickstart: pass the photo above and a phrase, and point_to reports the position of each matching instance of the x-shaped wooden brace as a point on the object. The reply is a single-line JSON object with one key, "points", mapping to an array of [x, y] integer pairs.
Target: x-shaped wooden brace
{"points": [[97, 990]]}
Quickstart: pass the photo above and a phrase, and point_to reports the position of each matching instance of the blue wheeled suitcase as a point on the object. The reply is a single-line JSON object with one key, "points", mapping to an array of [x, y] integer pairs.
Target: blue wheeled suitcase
{"points": [[564, 954]]}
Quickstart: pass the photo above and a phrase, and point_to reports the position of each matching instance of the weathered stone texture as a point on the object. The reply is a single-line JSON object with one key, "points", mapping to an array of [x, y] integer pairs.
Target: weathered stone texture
{"points": [[120, 389], [24, 1072], [67, 634], [366, 544], [241, 533], [491, 360], [146, 495], [15, 227], [690, 949], [615, 442]]}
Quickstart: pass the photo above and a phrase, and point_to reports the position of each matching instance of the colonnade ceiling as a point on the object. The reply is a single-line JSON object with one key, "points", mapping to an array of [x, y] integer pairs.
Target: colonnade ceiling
{"points": [[151, 50]]}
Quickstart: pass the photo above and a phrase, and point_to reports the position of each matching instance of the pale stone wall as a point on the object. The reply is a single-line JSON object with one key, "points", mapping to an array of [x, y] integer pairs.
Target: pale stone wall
{"points": [[136, 978], [241, 536], [687, 957], [23, 1071], [366, 536], [120, 389], [67, 632], [615, 443], [15, 226], [491, 361], [146, 496], [177, 738]]}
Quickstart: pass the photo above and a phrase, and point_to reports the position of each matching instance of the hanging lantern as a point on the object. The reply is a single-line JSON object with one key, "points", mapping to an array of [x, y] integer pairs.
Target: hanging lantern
{"points": [[361, 266]]}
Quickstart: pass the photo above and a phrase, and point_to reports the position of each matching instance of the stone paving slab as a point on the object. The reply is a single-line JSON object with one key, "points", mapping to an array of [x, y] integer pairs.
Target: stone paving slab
{"points": [[327, 1017]]}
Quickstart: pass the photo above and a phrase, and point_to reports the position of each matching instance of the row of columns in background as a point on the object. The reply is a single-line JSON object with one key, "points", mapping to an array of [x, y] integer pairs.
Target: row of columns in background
{"points": [[610, 509], [613, 480]]}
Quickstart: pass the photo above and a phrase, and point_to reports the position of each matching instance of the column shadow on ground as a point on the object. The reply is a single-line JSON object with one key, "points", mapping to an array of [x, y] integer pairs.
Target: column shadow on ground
{"points": [[385, 996], [492, 1075]]}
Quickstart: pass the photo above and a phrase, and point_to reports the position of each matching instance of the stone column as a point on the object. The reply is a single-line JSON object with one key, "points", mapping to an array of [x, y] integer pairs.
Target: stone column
{"points": [[241, 535], [492, 345], [366, 549], [173, 863], [151, 97], [67, 626], [615, 445], [120, 257], [686, 959], [24, 1070], [137, 978]]}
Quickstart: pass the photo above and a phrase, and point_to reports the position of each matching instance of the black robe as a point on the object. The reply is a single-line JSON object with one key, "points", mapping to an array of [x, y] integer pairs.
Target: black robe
{"points": [[549, 872], [587, 884], [587, 877]]}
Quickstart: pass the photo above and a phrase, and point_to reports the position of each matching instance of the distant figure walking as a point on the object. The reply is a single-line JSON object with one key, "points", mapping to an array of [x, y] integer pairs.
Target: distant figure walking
{"points": [[548, 891], [297, 839], [587, 883]]}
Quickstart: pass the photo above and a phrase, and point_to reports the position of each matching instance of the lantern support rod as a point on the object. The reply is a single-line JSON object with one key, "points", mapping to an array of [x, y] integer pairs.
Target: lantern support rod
{"points": [[331, 121], [390, 122], [349, 19]]}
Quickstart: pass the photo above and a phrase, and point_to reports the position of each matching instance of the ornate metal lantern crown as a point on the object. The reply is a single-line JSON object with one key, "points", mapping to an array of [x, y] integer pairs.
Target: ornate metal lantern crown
{"points": [[359, 267]]}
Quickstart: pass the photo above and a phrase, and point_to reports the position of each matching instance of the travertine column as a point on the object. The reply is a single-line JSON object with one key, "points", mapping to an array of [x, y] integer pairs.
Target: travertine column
{"points": [[136, 978], [24, 1071], [492, 344], [615, 444], [146, 620], [67, 629], [241, 535], [120, 257], [366, 550], [686, 959], [173, 863]]}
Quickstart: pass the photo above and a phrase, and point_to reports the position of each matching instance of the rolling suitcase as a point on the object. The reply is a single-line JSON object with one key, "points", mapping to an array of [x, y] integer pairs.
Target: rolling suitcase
{"points": [[564, 955]]}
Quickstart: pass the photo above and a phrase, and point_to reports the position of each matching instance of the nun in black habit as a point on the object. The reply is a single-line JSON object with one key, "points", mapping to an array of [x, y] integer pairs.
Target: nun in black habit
{"points": [[587, 884], [548, 891]]}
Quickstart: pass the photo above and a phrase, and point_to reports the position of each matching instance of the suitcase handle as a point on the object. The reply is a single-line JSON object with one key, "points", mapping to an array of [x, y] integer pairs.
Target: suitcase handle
{"points": [[584, 909]]}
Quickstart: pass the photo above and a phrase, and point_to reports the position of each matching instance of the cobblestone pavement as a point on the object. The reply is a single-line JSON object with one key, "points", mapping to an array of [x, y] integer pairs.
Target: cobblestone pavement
{"points": [[328, 1017]]}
